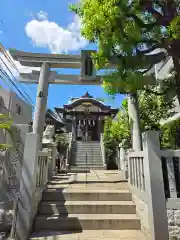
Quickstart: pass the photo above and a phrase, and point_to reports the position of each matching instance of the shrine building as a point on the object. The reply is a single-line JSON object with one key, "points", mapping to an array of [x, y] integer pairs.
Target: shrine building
{"points": [[81, 116]]}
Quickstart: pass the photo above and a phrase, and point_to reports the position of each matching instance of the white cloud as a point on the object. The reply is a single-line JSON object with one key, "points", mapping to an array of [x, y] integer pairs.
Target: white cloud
{"points": [[42, 15], [48, 34], [17, 69]]}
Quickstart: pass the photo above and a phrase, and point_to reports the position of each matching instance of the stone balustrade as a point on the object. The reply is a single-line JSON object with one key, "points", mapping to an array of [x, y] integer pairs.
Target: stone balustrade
{"points": [[154, 179]]}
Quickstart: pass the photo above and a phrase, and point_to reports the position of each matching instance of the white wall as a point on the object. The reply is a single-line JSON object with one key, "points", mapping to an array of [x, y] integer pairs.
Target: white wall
{"points": [[26, 113], [8, 105], [10, 101], [4, 100]]}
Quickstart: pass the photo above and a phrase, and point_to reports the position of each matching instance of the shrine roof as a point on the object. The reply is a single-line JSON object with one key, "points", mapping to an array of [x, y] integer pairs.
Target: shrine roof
{"points": [[85, 98], [54, 115]]}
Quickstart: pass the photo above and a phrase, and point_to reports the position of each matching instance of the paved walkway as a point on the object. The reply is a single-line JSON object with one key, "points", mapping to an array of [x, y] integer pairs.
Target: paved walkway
{"points": [[95, 180], [92, 235]]}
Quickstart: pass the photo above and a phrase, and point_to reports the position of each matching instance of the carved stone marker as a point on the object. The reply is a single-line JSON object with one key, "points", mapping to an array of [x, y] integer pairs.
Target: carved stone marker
{"points": [[48, 134]]}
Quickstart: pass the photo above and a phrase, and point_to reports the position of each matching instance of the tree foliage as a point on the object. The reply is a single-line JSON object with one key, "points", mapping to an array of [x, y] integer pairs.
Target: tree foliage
{"points": [[127, 32], [61, 140], [152, 110], [170, 135], [109, 140], [6, 126]]}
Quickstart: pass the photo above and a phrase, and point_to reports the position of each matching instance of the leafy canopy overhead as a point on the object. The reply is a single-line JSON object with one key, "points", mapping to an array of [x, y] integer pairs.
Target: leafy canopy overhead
{"points": [[127, 32]]}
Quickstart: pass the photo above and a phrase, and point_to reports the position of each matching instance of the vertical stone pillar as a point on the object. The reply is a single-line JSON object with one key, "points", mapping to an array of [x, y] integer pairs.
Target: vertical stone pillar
{"points": [[121, 157], [41, 100], [99, 125], [133, 111], [74, 128], [26, 208], [157, 213]]}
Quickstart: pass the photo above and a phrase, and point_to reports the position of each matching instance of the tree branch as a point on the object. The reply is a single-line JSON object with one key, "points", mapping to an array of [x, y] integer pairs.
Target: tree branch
{"points": [[149, 50], [140, 23], [147, 70], [167, 8], [152, 48]]}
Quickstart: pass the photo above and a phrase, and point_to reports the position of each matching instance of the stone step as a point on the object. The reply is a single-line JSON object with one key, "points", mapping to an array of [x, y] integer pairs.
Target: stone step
{"points": [[84, 164], [86, 195], [89, 234], [57, 182], [83, 158], [88, 162], [88, 146], [89, 156], [87, 207], [84, 152], [86, 168], [95, 167], [87, 222], [88, 142], [59, 177], [92, 160], [88, 151]]}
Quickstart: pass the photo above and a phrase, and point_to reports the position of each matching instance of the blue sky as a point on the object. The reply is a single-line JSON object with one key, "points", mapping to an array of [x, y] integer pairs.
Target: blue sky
{"points": [[47, 26]]}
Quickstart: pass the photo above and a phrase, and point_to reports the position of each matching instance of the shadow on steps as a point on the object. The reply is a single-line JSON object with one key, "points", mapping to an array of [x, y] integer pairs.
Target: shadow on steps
{"points": [[51, 221]]}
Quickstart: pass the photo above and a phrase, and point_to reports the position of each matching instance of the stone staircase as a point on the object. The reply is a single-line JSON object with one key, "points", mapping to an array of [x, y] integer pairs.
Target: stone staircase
{"points": [[87, 155], [73, 208]]}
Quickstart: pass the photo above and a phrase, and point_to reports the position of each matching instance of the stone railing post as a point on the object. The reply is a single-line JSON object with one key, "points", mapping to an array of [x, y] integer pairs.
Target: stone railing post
{"points": [[154, 186], [103, 151], [123, 161], [68, 151], [53, 149], [121, 157], [50, 171], [24, 214]]}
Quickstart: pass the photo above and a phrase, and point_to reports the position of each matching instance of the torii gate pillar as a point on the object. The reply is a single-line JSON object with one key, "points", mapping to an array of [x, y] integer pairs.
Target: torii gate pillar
{"points": [[41, 100]]}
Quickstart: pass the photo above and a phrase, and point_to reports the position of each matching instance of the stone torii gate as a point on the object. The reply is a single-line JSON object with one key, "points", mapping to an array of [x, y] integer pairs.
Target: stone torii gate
{"points": [[45, 76]]}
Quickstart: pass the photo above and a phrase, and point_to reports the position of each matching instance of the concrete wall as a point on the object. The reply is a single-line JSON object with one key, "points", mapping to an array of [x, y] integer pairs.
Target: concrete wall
{"points": [[174, 223], [142, 213], [173, 214]]}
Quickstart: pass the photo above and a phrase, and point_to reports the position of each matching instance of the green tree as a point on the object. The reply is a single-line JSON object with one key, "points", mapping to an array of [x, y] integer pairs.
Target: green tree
{"points": [[170, 135], [120, 128], [6, 126], [152, 110], [109, 141], [61, 142], [126, 31]]}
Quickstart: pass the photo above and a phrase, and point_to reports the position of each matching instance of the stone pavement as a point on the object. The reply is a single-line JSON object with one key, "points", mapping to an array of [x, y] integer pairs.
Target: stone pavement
{"points": [[94, 181], [91, 235]]}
